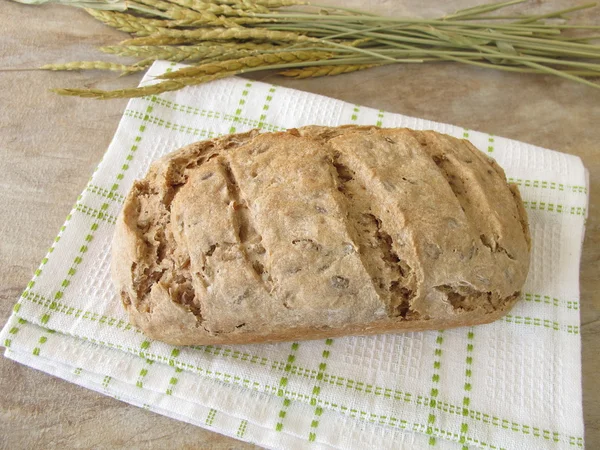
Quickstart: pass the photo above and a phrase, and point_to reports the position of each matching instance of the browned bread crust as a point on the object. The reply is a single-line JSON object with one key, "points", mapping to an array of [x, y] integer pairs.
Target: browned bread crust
{"points": [[319, 232]]}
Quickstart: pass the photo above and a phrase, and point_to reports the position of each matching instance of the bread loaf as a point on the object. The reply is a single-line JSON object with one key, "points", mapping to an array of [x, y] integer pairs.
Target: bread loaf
{"points": [[319, 232]]}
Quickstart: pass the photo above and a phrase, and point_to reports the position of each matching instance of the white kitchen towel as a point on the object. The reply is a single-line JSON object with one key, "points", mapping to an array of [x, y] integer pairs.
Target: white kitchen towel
{"points": [[512, 384]]}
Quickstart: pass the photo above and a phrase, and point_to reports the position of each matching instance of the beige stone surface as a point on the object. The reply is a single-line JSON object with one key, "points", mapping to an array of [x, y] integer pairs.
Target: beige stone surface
{"points": [[49, 146]]}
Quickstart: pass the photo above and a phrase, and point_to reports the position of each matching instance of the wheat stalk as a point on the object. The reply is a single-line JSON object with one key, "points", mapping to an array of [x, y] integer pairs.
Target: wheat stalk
{"points": [[250, 20], [226, 10], [140, 65], [268, 4], [233, 15], [92, 65], [271, 4], [322, 71], [153, 89], [210, 72], [167, 36], [217, 54], [156, 39], [238, 33], [241, 65], [186, 53], [174, 11], [142, 26], [246, 5], [128, 23], [163, 5], [207, 49]]}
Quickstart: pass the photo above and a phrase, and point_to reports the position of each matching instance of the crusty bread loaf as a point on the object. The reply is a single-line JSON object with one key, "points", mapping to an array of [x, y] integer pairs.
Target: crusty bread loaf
{"points": [[319, 232]]}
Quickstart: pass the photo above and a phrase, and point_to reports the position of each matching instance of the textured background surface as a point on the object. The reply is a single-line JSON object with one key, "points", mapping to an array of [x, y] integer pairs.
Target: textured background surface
{"points": [[44, 168]]}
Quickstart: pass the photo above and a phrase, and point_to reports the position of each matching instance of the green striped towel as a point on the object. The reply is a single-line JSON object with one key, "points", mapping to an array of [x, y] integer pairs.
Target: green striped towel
{"points": [[513, 384]]}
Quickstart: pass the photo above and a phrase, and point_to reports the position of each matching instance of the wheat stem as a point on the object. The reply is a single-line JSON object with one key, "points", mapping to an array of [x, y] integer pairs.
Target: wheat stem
{"points": [[554, 14], [481, 9]]}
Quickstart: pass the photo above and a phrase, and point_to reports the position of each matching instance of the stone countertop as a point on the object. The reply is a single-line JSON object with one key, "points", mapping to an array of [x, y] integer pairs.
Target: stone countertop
{"points": [[49, 146]]}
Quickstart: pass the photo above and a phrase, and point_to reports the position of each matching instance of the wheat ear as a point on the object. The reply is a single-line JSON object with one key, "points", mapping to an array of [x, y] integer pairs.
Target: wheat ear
{"points": [[188, 15], [324, 71], [92, 65], [250, 62], [185, 52], [225, 10], [215, 34], [153, 89]]}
